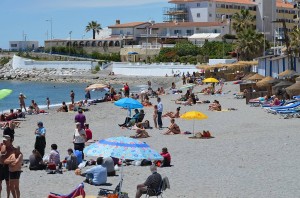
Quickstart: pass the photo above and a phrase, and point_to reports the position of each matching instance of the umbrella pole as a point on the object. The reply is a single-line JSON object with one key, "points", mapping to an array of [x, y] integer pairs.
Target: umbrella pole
{"points": [[121, 182], [194, 127]]}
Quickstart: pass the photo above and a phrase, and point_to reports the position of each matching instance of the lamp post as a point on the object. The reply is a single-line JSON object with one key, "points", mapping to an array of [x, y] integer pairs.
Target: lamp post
{"points": [[50, 20], [70, 43], [263, 24]]}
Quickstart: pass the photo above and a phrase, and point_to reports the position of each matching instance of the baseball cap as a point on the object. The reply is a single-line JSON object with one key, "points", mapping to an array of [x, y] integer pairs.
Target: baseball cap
{"points": [[78, 123]]}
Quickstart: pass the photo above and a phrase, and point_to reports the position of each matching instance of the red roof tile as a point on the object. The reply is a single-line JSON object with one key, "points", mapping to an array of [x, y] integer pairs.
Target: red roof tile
{"points": [[126, 25], [187, 24]]}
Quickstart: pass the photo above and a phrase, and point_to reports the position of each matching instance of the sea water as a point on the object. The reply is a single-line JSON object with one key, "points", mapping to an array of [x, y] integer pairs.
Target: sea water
{"points": [[57, 93]]}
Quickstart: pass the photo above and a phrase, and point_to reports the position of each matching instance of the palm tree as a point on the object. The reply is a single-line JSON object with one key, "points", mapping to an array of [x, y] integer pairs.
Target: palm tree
{"points": [[249, 44], [242, 20], [93, 25], [295, 41]]}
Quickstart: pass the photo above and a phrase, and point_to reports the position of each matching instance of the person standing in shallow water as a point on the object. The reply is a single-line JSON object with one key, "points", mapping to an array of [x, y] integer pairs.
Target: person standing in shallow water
{"points": [[72, 95]]}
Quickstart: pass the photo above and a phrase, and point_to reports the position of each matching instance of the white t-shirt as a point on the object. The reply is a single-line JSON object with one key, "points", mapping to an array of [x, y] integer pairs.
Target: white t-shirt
{"points": [[77, 136]]}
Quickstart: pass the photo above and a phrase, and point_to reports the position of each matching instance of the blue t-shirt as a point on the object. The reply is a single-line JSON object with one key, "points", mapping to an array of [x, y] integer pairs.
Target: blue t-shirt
{"points": [[99, 174], [42, 131]]}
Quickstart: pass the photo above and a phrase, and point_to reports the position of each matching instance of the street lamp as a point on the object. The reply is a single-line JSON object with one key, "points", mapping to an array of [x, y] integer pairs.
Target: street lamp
{"points": [[50, 20], [263, 24], [70, 43]]}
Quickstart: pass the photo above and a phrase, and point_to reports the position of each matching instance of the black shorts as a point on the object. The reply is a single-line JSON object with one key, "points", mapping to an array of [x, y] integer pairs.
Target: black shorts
{"points": [[15, 175], [4, 173]]}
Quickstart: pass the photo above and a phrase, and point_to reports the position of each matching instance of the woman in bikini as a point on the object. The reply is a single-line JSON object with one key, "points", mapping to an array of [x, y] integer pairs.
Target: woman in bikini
{"points": [[172, 114]]}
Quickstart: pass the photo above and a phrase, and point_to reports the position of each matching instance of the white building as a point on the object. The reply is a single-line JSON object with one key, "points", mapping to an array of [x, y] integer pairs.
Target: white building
{"points": [[23, 45]]}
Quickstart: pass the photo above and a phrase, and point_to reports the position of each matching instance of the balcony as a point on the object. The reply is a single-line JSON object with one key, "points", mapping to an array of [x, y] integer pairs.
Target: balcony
{"points": [[175, 11]]}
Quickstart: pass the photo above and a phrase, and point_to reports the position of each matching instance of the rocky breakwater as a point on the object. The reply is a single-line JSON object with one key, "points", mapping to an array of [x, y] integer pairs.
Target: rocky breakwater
{"points": [[79, 76]]}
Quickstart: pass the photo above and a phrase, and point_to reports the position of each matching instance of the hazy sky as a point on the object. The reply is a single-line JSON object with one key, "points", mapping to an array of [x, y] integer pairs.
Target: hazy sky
{"points": [[29, 16]]}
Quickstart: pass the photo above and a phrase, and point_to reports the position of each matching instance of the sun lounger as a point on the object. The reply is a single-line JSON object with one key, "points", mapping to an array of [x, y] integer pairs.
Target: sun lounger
{"points": [[296, 97], [289, 113], [285, 107]]}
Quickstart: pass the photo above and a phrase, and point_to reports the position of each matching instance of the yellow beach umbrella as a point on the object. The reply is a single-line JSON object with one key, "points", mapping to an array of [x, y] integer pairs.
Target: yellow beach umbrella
{"points": [[210, 80], [193, 115]]}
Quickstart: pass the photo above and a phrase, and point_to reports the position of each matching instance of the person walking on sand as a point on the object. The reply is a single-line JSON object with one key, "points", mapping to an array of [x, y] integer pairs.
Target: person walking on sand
{"points": [[48, 102], [40, 139], [22, 101], [126, 90], [159, 112], [155, 116], [72, 95]]}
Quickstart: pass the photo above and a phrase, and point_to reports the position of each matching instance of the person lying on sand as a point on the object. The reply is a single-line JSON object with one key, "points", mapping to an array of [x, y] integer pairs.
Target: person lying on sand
{"points": [[173, 129], [63, 107], [172, 114]]}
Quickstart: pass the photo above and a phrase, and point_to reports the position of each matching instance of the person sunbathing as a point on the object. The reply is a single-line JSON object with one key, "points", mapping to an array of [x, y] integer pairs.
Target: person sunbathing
{"points": [[173, 129], [140, 131], [190, 101], [172, 114], [276, 102], [63, 107], [215, 106], [146, 101]]}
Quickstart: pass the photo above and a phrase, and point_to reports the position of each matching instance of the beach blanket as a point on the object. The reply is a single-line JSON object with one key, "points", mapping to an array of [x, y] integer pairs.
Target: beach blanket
{"points": [[75, 193]]}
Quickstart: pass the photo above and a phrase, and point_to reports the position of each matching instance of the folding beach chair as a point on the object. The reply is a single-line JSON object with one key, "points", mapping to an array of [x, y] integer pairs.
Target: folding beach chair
{"points": [[75, 193], [162, 187]]}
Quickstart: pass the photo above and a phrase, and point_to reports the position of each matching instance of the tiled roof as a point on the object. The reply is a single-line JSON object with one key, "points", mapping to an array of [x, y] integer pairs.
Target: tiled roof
{"points": [[127, 25], [279, 3], [187, 24]]}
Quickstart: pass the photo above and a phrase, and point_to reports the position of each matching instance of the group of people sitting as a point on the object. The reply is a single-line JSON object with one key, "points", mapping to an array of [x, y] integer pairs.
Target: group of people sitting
{"points": [[188, 98], [136, 118]]}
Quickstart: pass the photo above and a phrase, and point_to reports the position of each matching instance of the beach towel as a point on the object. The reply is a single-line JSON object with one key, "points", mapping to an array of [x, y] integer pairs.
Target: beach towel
{"points": [[79, 191]]}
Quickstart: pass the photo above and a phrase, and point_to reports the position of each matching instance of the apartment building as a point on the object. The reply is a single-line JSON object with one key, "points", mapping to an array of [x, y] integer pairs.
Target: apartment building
{"points": [[265, 12]]}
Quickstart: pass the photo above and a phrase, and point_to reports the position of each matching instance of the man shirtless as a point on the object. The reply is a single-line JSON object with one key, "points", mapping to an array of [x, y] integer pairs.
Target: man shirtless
{"points": [[22, 101]]}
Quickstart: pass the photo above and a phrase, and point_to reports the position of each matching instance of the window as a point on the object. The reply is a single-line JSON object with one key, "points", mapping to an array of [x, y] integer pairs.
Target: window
{"points": [[189, 32], [198, 5], [222, 5], [198, 15], [210, 15], [13, 45], [177, 31], [210, 5]]}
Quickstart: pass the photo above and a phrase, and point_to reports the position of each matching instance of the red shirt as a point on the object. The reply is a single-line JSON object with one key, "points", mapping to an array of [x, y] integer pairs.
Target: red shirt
{"points": [[126, 88], [167, 156], [89, 134]]}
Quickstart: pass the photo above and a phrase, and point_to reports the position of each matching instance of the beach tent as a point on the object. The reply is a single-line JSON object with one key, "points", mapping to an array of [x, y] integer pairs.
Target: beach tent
{"points": [[264, 82], [294, 89]]}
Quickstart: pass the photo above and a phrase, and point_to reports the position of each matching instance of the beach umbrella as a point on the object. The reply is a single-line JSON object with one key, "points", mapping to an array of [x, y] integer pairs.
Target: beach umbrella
{"points": [[122, 148], [129, 103], [97, 87], [210, 80], [187, 86], [194, 115], [264, 82], [281, 85], [256, 77], [4, 93], [248, 76], [294, 90], [287, 73]]}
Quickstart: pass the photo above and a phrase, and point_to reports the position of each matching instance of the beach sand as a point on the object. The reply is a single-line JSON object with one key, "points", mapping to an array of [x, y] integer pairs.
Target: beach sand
{"points": [[253, 154]]}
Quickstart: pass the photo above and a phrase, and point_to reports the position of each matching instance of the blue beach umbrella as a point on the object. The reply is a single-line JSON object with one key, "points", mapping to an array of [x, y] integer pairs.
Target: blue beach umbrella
{"points": [[122, 148], [129, 103]]}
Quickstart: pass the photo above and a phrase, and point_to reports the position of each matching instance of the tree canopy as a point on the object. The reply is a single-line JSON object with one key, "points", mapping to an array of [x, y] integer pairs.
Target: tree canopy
{"points": [[94, 26]]}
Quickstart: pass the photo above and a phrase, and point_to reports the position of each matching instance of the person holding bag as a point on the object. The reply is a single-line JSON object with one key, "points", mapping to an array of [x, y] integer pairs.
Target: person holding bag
{"points": [[79, 138]]}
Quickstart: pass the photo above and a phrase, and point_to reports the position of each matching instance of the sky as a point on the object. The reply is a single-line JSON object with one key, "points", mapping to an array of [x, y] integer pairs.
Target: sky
{"points": [[33, 17]]}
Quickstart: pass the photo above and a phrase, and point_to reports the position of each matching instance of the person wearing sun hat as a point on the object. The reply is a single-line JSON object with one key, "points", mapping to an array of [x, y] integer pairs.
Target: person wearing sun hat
{"points": [[40, 138]]}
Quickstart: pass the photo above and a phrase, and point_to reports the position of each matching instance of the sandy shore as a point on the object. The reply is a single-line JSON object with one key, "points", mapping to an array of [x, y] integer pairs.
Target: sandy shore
{"points": [[253, 154]]}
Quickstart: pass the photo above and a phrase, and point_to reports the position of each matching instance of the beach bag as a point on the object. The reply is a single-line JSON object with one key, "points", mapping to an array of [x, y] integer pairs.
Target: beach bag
{"points": [[146, 162], [51, 166]]}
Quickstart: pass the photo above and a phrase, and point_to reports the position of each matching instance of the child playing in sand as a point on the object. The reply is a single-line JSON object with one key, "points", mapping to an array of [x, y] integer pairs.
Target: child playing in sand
{"points": [[155, 116], [14, 162]]}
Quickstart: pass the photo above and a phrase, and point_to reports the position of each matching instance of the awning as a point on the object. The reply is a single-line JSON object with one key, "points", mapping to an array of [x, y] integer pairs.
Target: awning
{"points": [[205, 36], [131, 53]]}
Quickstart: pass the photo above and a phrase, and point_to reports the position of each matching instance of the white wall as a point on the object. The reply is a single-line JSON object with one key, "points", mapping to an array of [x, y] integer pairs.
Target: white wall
{"points": [[22, 63], [140, 69], [218, 61]]}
